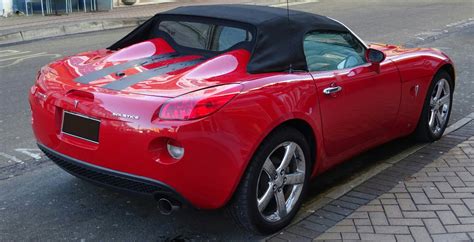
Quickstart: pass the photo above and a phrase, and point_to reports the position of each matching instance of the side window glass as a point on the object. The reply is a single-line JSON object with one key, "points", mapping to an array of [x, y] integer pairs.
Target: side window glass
{"points": [[326, 51]]}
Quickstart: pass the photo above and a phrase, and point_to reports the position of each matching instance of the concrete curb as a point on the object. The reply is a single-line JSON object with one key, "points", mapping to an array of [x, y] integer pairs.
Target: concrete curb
{"points": [[68, 29], [44, 32]]}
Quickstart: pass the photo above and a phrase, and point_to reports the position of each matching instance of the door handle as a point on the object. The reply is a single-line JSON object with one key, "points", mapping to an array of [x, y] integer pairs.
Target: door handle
{"points": [[332, 90]]}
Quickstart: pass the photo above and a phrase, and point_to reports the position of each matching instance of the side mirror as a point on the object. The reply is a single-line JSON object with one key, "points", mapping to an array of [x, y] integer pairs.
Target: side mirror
{"points": [[374, 56]]}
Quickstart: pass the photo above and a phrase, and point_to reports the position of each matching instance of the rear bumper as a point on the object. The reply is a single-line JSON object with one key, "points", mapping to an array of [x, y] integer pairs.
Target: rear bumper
{"points": [[113, 179]]}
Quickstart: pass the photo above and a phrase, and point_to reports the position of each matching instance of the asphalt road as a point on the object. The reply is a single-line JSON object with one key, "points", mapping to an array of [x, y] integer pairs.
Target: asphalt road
{"points": [[38, 201]]}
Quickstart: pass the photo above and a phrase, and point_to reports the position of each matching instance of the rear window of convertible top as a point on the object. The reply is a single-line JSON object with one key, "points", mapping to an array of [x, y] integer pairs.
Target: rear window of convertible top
{"points": [[205, 36]]}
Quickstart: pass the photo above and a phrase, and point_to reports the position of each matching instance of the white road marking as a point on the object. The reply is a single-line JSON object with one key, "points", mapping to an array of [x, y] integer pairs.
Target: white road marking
{"points": [[284, 4], [35, 153], [4, 53], [13, 57], [11, 158]]}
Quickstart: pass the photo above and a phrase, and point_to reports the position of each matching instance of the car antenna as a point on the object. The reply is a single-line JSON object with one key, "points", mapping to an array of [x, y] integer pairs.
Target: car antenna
{"points": [[290, 70]]}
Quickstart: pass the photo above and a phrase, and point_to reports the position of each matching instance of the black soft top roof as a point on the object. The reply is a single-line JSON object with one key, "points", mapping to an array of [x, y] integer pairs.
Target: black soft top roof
{"points": [[278, 42]]}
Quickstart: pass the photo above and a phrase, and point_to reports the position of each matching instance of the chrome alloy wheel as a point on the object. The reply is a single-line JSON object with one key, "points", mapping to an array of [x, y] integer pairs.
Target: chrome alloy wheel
{"points": [[440, 104], [281, 181]]}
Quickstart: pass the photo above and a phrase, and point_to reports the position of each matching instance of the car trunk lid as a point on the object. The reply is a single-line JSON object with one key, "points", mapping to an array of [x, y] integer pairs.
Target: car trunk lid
{"points": [[148, 68]]}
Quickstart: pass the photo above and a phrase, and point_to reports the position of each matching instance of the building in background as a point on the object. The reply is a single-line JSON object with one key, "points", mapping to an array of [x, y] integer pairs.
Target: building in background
{"points": [[6, 8]]}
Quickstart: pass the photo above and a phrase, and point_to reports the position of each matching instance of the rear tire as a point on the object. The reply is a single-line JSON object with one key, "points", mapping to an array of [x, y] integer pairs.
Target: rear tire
{"points": [[257, 205], [436, 109]]}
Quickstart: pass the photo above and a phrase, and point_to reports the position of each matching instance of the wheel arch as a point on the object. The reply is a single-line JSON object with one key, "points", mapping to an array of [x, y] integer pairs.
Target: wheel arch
{"points": [[449, 68], [305, 129]]}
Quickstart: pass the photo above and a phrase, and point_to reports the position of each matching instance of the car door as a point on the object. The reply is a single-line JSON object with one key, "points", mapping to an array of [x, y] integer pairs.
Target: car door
{"points": [[359, 101]]}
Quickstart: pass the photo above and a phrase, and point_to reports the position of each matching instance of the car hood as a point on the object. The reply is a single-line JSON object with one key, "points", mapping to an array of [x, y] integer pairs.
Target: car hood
{"points": [[149, 68]]}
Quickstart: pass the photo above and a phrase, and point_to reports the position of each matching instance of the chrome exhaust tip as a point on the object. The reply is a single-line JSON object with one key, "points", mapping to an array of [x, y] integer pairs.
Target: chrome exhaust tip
{"points": [[167, 207]]}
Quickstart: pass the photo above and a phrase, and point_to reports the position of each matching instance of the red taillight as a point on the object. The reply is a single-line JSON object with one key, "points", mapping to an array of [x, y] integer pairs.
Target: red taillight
{"points": [[199, 103]]}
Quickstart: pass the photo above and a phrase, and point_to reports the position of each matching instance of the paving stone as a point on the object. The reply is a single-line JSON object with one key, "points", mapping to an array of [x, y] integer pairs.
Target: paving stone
{"points": [[313, 226], [444, 187], [422, 174], [329, 215], [345, 204], [447, 217], [420, 198], [377, 237], [402, 195], [377, 188], [329, 236], [459, 195], [451, 237], [391, 229], [430, 207], [374, 202], [418, 184], [404, 237], [406, 204], [420, 234], [398, 190], [406, 221], [465, 176], [432, 192], [446, 201], [362, 221], [456, 168], [342, 228], [467, 220], [387, 201], [444, 173], [461, 210], [298, 230], [378, 218], [393, 211], [358, 214], [346, 222], [419, 214], [460, 228], [387, 196], [386, 178], [291, 237], [350, 236], [414, 189], [321, 220], [455, 181], [355, 200], [469, 203], [338, 209], [367, 192], [365, 229], [371, 208], [468, 189], [434, 226], [361, 195]]}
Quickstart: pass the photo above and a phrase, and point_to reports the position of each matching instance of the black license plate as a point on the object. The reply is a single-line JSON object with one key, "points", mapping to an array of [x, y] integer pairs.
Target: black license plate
{"points": [[81, 126]]}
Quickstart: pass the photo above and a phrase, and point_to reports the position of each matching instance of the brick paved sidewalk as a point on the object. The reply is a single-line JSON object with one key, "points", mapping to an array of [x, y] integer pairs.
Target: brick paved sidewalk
{"points": [[427, 196]]}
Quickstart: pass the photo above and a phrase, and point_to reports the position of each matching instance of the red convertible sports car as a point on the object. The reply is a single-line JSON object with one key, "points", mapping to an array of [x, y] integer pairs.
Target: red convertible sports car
{"points": [[234, 105]]}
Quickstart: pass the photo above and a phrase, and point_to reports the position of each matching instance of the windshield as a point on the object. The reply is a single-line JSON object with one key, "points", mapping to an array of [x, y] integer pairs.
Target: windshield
{"points": [[204, 36]]}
